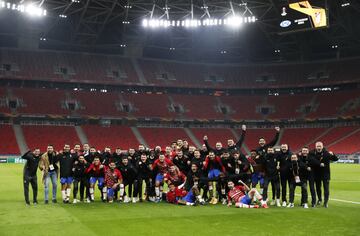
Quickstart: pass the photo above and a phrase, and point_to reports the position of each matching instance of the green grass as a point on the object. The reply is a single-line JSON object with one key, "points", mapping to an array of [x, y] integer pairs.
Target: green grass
{"points": [[164, 219]]}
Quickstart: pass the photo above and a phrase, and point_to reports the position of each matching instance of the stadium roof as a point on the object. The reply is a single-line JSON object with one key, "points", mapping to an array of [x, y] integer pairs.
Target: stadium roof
{"points": [[114, 26]]}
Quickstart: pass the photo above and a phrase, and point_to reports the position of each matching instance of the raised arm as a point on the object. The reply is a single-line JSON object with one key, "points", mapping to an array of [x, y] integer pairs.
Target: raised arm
{"points": [[242, 137]]}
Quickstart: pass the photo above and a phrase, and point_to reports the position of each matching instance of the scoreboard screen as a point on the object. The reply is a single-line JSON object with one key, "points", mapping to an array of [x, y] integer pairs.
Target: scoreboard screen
{"points": [[303, 15]]}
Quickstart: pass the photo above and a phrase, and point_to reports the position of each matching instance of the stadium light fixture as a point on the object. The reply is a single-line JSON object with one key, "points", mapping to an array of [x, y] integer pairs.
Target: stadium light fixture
{"points": [[233, 21], [29, 9]]}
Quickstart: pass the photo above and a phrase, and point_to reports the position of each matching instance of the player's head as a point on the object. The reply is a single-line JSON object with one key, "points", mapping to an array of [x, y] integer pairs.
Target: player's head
{"points": [[125, 161], [197, 154], [180, 143], [294, 157], [112, 165], [226, 154], [218, 145], [36, 152], [131, 151], [319, 146], [173, 145], [262, 141], [230, 184], [203, 147], [284, 147], [230, 142], [179, 153], [172, 187], [141, 147], [157, 149], [81, 158], [194, 167], [253, 153], [86, 147], [66, 148], [236, 154], [305, 151], [107, 150], [77, 147], [192, 149], [143, 157], [50, 148], [92, 150], [172, 169], [211, 155], [96, 161], [185, 144], [270, 150], [161, 157], [168, 150], [118, 150]]}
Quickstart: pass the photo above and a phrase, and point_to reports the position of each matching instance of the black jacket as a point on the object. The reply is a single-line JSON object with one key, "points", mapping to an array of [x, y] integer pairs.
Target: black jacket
{"points": [[66, 160], [285, 163], [270, 162], [322, 157], [143, 169], [31, 164], [262, 150], [79, 169], [128, 172]]}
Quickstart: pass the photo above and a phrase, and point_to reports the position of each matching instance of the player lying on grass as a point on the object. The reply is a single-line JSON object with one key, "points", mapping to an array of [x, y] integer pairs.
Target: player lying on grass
{"points": [[180, 196], [243, 196]]}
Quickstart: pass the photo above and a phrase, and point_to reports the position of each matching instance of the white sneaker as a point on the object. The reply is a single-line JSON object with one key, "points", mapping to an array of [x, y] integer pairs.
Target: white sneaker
{"points": [[278, 203], [127, 199], [272, 203], [134, 200], [284, 204], [291, 205], [152, 199], [88, 200], [224, 202], [306, 206], [75, 201]]}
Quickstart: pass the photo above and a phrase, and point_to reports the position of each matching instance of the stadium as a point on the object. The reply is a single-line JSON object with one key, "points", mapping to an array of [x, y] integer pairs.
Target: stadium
{"points": [[179, 117]]}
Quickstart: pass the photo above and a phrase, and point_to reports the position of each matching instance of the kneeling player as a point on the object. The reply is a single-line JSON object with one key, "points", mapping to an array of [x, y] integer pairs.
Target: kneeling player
{"points": [[113, 181], [242, 199], [180, 196]]}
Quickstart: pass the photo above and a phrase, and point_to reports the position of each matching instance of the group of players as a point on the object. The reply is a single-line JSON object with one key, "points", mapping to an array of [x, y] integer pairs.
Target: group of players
{"points": [[192, 176]]}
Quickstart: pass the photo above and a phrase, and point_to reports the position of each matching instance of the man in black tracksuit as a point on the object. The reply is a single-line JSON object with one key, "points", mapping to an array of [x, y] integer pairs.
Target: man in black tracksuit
{"points": [[129, 174], [232, 146], [309, 164], [218, 150], [298, 178], [272, 167], [143, 168], [30, 177], [322, 170], [79, 177], [285, 173]]}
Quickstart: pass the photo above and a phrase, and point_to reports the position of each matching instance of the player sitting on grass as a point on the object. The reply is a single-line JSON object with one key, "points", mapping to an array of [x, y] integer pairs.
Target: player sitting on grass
{"points": [[180, 196], [243, 196], [113, 182]]}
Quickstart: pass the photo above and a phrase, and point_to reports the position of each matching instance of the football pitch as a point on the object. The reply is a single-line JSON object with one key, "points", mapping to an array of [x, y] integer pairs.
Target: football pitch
{"points": [[341, 218]]}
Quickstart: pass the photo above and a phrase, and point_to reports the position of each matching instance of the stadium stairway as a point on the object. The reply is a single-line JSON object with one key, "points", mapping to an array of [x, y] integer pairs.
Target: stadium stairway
{"points": [[192, 137], [356, 131], [138, 71], [20, 139], [318, 138], [81, 134], [138, 136]]}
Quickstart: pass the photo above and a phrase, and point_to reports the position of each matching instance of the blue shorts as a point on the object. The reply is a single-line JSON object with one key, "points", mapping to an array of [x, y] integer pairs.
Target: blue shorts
{"points": [[110, 192], [257, 177], [245, 200], [66, 180], [100, 181], [159, 178], [190, 197], [213, 173]]}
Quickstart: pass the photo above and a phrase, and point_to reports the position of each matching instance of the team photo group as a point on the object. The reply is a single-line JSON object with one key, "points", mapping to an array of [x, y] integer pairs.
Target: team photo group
{"points": [[182, 174]]}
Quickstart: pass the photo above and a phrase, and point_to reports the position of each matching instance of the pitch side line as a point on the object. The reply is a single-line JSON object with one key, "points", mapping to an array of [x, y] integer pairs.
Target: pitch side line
{"points": [[337, 200]]}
